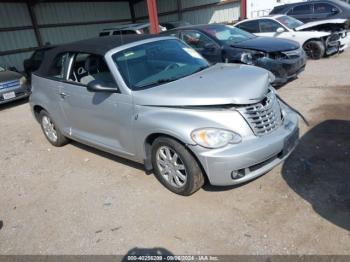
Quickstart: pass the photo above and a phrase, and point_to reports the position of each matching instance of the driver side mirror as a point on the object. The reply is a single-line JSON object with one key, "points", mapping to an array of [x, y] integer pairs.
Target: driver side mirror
{"points": [[280, 30], [100, 86]]}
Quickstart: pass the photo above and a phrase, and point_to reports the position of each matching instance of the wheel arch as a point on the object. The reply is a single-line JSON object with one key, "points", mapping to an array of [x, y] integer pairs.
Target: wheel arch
{"points": [[148, 148], [36, 110]]}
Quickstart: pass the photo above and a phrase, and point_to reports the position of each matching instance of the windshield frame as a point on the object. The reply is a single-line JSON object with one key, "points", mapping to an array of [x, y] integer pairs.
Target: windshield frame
{"points": [[111, 57]]}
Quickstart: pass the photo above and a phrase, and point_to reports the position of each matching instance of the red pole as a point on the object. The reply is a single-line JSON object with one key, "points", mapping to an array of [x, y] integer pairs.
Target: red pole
{"points": [[243, 9], [153, 16]]}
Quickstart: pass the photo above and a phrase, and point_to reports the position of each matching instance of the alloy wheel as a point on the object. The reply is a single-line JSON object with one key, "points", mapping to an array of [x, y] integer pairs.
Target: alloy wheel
{"points": [[49, 129]]}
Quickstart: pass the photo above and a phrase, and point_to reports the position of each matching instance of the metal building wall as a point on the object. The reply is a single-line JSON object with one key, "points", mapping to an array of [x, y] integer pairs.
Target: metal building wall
{"points": [[15, 15], [62, 13], [216, 14], [215, 11], [54, 21]]}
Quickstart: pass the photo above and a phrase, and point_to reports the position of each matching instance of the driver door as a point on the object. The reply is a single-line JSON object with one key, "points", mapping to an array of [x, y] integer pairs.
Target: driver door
{"points": [[100, 119]]}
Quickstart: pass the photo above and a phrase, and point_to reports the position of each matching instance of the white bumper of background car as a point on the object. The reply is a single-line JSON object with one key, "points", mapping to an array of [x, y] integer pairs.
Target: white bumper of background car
{"points": [[344, 42]]}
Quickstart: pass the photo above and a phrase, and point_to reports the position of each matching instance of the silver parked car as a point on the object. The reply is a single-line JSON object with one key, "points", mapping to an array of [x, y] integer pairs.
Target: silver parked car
{"points": [[13, 86], [156, 101]]}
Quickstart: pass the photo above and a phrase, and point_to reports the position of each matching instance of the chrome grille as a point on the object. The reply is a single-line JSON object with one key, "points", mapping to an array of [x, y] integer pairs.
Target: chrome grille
{"points": [[263, 117]]}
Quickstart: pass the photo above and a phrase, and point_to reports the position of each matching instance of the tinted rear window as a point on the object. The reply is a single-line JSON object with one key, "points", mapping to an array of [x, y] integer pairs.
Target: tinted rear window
{"points": [[104, 34], [301, 10]]}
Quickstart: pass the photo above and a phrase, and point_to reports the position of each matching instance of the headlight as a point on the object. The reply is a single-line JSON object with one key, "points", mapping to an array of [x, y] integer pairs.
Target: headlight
{"points": [[214, 137], [249, 57], [22, 81]]}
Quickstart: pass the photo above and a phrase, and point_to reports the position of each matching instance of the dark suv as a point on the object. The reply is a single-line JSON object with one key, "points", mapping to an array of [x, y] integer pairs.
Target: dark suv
{"points": [[315, 10]]}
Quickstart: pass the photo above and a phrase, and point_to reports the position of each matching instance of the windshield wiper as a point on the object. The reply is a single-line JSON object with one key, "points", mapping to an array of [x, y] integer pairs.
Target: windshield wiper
{"points": [[158, 82]]}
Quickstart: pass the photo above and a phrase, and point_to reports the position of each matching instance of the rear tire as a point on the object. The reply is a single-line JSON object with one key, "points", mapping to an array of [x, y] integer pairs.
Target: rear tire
{"points": [[314, 49], [175, 167], [51, 132]]}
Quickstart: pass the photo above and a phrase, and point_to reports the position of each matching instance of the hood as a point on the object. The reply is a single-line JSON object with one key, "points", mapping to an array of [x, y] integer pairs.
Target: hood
{"points": [[322, 22], [268, 44], [9, 75], [221, 84]]}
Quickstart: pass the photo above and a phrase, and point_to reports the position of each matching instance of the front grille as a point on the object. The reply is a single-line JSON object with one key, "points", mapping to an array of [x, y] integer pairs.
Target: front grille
{"points": [[294, 53], [9, 84], [263, 117]]}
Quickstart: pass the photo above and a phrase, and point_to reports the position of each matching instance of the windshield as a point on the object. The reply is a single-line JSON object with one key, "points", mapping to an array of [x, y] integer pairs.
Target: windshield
{"points": [[228, 34], [2, 69], [157, 63], [289, 22]]}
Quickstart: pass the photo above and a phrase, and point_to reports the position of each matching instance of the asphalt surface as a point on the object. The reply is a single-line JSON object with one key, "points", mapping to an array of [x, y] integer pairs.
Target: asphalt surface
{"points": [[78, 200]]}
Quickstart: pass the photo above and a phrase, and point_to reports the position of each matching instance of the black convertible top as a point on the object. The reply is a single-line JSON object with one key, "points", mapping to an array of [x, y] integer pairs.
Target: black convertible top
{"points": [[97, 46]]}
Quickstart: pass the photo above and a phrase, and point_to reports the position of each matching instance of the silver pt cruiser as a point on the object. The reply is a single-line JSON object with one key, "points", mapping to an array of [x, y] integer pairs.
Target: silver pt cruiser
{"points": [[156, 101]]}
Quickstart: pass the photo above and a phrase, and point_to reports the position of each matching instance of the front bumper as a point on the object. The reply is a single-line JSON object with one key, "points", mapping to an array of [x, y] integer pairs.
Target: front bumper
{"points": [[283, 69], [344, 41], [18, 92], [252, 158]]}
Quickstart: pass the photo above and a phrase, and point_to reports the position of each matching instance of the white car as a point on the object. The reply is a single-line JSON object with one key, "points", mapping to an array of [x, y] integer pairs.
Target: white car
{"points": [[317, 38], [129, 29]]}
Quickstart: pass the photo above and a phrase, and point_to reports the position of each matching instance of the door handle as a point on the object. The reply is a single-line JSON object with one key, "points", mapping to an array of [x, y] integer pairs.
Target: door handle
{"points": [[63, 95]]}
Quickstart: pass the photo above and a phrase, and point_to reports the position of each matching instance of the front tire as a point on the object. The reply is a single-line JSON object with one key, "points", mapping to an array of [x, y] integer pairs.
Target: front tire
{"points": [[314, 49], [175, 167], [51, 132]]}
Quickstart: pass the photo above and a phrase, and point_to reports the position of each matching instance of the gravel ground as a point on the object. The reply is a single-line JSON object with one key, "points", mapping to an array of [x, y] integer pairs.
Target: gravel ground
{"points": [[77, 200]]}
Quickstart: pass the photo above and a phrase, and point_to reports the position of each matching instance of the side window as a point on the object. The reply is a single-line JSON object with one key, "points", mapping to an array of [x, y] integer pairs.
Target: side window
{"points": [[59, 66], [118, 32], [90, 67], [324, 8], [104, 34], [267, 26], [301, 10], [196, 40], [250, 26]]}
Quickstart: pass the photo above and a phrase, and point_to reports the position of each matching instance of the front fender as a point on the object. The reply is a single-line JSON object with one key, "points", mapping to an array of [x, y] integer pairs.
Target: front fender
{"points": [[180, 122]]}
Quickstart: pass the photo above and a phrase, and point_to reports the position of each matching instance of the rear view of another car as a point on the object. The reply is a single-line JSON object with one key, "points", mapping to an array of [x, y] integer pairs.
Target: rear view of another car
{"points": [[13, 86]]}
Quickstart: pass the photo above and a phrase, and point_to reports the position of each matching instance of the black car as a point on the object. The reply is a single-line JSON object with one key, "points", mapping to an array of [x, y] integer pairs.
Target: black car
{"points": [[315, 10], [33, 63], [222, 43], [174, 24]]}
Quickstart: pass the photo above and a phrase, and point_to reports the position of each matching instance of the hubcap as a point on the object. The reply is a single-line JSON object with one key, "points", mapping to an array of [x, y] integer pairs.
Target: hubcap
{"points": [[49, 129], [171, 167]]}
